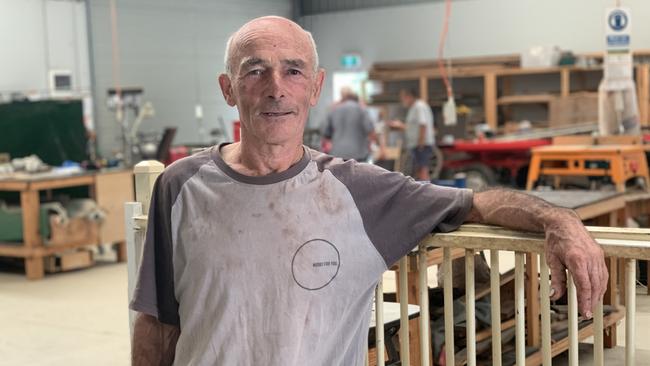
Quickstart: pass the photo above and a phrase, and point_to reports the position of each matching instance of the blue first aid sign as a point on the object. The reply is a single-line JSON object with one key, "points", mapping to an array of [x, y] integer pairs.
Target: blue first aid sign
{"points": [[617, 29]]}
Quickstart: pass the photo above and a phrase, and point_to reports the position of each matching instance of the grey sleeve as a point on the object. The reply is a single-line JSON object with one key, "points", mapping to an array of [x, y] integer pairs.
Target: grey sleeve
{"points": [[368, 123], [154, 291], [328, 128], [421, 114], [397, 211]]}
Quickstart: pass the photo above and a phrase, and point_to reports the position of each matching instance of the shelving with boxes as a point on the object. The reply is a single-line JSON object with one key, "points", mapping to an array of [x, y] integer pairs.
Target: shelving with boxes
{"points": [[496, 89]]}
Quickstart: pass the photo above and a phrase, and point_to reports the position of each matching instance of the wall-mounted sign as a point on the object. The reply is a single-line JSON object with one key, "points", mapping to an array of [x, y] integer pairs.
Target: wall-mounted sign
{"points": [[618, 26], [351, 61]]}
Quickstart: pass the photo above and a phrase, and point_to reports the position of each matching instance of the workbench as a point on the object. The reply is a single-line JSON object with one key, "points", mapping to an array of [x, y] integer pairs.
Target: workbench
{"points": [[618, 162], [109, 188]]}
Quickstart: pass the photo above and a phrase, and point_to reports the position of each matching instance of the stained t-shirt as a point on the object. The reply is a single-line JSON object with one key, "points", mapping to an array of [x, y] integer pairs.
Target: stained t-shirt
{"points": [[280, 269]]}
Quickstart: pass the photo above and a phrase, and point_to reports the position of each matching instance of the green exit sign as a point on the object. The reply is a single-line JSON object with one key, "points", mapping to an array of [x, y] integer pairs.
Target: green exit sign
{"points": [[351, 61]]}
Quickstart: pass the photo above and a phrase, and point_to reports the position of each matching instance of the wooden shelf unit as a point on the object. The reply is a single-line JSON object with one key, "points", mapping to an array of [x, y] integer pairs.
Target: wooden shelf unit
{"points": [[495, 69], [525, 99]]}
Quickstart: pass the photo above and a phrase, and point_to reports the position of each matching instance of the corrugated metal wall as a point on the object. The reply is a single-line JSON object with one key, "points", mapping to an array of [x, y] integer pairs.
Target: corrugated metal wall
{"points": [[313, 7]]}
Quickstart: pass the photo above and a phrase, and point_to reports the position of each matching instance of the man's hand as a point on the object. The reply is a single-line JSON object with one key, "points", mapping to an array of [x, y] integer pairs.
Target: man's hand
{"points": [[397, 125], [568, 244], [154, 343]]}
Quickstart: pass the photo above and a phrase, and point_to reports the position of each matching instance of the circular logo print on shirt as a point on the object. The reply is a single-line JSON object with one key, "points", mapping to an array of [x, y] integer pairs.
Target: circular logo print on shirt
{"points": [[315, 264]]}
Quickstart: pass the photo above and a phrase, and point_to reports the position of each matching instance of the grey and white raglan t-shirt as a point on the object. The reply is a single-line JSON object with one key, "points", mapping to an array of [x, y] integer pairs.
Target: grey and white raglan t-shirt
{"points": [[280, 269]]}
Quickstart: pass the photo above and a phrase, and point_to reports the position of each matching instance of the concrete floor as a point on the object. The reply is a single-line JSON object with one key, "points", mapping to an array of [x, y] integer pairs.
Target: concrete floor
{"points": [[81, 318], [75, 318]]}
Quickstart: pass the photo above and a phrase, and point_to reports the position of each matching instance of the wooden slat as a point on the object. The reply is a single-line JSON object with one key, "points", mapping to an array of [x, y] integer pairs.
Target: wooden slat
{"points": [[599, 358], [532, 302], [470, 308], [425, 344], [490, 99], [520, 315], [573, 321], [495, 301], [546, 310], [525, 99], [424, 88], [435, 256], [404, 319], [32, 239], [630, 312], [488, 333], [13, 250], [512, 59], [82, 180], [13, 185], [619, 242], [565, 82], [449, 307]]}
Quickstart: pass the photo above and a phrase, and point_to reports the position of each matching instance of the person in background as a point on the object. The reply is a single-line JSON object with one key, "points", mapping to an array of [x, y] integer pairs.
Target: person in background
{"points": [[418, 128], [350, 128]]}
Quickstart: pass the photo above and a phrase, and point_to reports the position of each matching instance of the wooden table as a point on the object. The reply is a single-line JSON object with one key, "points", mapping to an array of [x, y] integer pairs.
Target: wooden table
{"points": [[110, 188], [619, 162]]}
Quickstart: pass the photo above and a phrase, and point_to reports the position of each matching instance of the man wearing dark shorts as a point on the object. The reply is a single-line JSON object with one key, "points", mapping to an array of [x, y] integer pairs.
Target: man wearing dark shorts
{"points": [[418, 128]]}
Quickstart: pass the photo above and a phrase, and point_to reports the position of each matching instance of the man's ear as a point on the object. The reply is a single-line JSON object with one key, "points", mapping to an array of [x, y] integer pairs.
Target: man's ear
{"points": [[226, 89], [318, 87]]}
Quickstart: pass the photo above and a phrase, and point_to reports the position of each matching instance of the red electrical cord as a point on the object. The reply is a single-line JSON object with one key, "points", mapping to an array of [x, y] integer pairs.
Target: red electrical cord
{"points": [[441, 48]]}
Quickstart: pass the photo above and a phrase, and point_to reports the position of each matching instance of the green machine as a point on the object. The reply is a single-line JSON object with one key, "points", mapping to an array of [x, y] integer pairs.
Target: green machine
{"points": [[51, 129]]}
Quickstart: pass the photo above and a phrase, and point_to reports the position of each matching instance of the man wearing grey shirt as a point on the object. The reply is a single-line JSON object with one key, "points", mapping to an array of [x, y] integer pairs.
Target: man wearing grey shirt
{"points": [[265, 252], [350, 128], [418, 132]]}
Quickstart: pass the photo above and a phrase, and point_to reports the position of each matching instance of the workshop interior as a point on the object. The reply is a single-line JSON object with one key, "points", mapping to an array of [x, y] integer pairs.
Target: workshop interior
{"points": [[98, 98]]}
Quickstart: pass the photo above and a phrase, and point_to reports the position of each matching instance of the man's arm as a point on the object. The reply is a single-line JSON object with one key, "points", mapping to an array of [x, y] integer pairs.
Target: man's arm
{"points": [[397, 125], [154, 343], [421, 134], [568, 244]]}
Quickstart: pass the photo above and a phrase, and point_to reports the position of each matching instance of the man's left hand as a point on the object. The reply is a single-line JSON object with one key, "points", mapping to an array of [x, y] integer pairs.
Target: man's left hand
{"points": [[569, 246]]}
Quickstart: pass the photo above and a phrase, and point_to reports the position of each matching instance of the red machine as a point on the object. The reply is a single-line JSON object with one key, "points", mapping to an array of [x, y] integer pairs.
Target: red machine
{"points": [[484, 160]]}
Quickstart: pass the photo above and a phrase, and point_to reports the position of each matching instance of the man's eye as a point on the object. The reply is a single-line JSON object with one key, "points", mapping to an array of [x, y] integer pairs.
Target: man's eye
{"points": [[256, 72], [294, 72]]}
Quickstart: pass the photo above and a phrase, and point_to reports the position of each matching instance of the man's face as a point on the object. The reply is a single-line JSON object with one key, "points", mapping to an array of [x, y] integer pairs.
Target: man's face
{"points": [[406, 99], [273, 83]]}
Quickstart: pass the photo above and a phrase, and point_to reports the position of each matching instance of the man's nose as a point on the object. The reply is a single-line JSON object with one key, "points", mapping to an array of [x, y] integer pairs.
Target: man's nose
{"points": [[275, 89]]}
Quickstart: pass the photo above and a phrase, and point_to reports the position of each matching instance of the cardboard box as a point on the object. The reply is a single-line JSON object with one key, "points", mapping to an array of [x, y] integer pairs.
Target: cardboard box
{"points": [[575, 109], [77, 230], [68, 261]]}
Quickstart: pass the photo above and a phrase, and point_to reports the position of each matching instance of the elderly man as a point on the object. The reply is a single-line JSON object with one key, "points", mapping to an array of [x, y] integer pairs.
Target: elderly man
{"points": [[264, 252]]}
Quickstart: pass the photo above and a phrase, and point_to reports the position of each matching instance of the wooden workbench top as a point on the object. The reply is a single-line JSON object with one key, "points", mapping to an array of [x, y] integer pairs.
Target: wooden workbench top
{"points": [[587, 148], [574, 199]]}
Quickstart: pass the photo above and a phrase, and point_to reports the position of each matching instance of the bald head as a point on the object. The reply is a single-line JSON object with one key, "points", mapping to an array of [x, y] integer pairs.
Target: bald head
{"points": [[265, 26]]}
